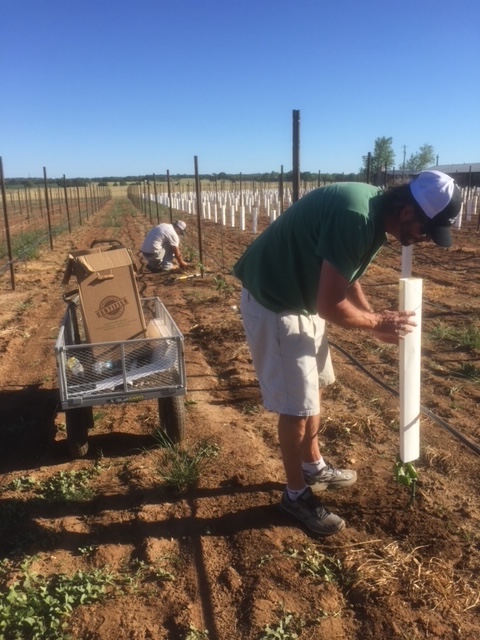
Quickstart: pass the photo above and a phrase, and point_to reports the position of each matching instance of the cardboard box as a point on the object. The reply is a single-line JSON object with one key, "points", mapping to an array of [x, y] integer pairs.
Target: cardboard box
{"points": [[109, 298]]}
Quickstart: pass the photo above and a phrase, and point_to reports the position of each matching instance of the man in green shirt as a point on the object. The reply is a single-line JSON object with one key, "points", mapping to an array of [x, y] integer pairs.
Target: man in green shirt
{"points": [[304, 270]]}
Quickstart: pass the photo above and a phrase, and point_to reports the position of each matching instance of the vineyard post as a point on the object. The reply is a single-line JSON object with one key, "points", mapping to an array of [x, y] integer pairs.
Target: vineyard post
{"points": [[280, 189], [47, 201], [86, 200], [7, 227], [19, 202], [66, 203], [40, 200], [28, 202], [78, 203]]}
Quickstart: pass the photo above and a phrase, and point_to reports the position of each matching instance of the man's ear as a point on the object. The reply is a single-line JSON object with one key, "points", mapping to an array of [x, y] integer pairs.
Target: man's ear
{"points": [[407, 214]]}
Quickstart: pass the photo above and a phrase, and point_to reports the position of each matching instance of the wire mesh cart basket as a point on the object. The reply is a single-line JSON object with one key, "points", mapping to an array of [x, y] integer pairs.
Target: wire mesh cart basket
{"points": [[92, 374]]}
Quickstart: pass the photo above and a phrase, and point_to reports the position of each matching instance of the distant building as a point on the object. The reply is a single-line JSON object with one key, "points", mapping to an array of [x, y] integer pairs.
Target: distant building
{"points": [[465, 175]]}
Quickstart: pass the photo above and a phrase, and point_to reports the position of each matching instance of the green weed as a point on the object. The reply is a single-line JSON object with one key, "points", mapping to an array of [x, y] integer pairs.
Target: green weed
{"points": [[26, 246], [22, 484], [38, 608], [461, 338], [250, 408], [222, 286], [191, 256], [315, 564], [181, 469], [68, 486], [266, 559], [196, 634], [143, 570], [470, 371], [288, 628]]}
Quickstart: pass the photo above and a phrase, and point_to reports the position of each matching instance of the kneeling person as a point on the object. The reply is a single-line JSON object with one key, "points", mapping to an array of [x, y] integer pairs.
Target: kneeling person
{"points": [[162, 245]]}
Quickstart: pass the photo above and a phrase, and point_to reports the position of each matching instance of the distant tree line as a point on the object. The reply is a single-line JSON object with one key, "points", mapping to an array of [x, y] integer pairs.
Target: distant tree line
{"points": [[382, 158], [272, 176]]}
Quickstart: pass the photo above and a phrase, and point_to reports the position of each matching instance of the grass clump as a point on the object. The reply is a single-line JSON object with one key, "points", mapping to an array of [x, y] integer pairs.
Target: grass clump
{"points": [[181, 468], [467, 337], [469, 371]]}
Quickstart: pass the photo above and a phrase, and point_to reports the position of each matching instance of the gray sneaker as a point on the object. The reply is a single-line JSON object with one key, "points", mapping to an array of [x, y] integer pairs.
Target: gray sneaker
{"points": [[330, 478], [309, 510]]}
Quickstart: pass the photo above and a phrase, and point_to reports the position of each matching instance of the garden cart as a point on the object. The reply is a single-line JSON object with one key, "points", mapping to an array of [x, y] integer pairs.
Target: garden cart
{"points": [[127, 371]]}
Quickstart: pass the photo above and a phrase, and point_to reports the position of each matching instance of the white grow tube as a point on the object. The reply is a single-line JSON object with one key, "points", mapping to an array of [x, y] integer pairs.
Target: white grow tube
{"points": [[410, 366]]}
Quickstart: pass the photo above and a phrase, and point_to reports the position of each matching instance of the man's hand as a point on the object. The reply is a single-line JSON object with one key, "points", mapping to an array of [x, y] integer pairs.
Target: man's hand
{"points": [[392, 326]]}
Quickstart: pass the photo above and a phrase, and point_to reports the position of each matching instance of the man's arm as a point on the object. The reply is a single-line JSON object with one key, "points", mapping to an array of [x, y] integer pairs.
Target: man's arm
{"points": [[181, 262], [357, 297], [335, 303]]}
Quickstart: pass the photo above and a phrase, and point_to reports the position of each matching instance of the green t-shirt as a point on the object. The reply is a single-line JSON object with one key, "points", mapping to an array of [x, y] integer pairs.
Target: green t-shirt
{"points": [[341, 223]]}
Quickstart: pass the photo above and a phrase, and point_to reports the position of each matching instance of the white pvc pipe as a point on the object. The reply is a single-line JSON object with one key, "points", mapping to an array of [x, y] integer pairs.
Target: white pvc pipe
{"points": [[458, 220], [410, 366], [469, 210], [407, 253]]}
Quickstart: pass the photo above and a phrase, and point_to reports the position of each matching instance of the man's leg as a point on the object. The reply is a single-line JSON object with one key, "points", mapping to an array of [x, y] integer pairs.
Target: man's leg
{"points": [[294, 436], [275, 341], [298, 439], [167, 258], [318, 473], [291, 438]]}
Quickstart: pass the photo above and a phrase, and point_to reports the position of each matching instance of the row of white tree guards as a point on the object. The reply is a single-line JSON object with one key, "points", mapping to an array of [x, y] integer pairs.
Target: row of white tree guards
{"points": [[231, 208]]}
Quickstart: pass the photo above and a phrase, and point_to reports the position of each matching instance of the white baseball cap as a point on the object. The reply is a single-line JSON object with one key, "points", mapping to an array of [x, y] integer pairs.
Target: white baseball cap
{"points": [[181, 225], [440, 199]]}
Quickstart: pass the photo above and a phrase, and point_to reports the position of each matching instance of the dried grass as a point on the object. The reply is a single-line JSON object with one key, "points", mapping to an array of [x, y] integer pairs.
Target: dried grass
{"points": [[430, 582], [440, 461]]}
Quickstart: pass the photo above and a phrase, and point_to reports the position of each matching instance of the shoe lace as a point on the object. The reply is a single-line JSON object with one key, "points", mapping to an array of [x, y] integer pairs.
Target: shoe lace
{"points": [[331, 469], [314, 504]]}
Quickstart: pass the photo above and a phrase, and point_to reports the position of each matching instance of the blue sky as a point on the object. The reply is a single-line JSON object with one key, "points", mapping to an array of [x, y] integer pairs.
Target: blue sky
{"points": [[114, 88]]}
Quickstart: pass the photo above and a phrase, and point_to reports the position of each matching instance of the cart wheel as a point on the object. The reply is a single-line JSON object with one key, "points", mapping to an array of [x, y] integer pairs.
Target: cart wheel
{"points": [[78, 422], [172, 417]]}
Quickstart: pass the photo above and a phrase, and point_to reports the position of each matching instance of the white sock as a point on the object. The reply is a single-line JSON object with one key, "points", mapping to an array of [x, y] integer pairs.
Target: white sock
{"points": [[314, 467], [294, 494]]}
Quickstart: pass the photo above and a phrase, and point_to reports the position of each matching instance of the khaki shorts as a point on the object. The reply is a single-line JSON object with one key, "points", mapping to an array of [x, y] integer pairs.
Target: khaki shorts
{"points": [[291, 357]]}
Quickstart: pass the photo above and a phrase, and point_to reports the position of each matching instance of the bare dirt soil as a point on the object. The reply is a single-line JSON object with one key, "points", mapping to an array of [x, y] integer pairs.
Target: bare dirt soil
{"points": [[222, 558]]}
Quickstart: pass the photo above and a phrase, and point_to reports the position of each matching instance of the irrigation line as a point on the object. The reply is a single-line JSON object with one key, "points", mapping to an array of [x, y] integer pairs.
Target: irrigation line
{"points": [[466, 441]]}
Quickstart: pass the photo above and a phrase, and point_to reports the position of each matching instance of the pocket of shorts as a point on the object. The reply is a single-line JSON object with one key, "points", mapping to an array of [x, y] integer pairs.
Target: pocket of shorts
{"points": [[249, 306]]}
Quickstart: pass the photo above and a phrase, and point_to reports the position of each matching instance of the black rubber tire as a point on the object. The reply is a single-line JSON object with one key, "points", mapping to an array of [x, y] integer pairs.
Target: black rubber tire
{"points": [[171, 411], [78, 422]]}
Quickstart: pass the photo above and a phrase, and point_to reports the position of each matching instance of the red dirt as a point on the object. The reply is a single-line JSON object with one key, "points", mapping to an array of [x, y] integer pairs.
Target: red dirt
{"points": [[239, 563]]}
